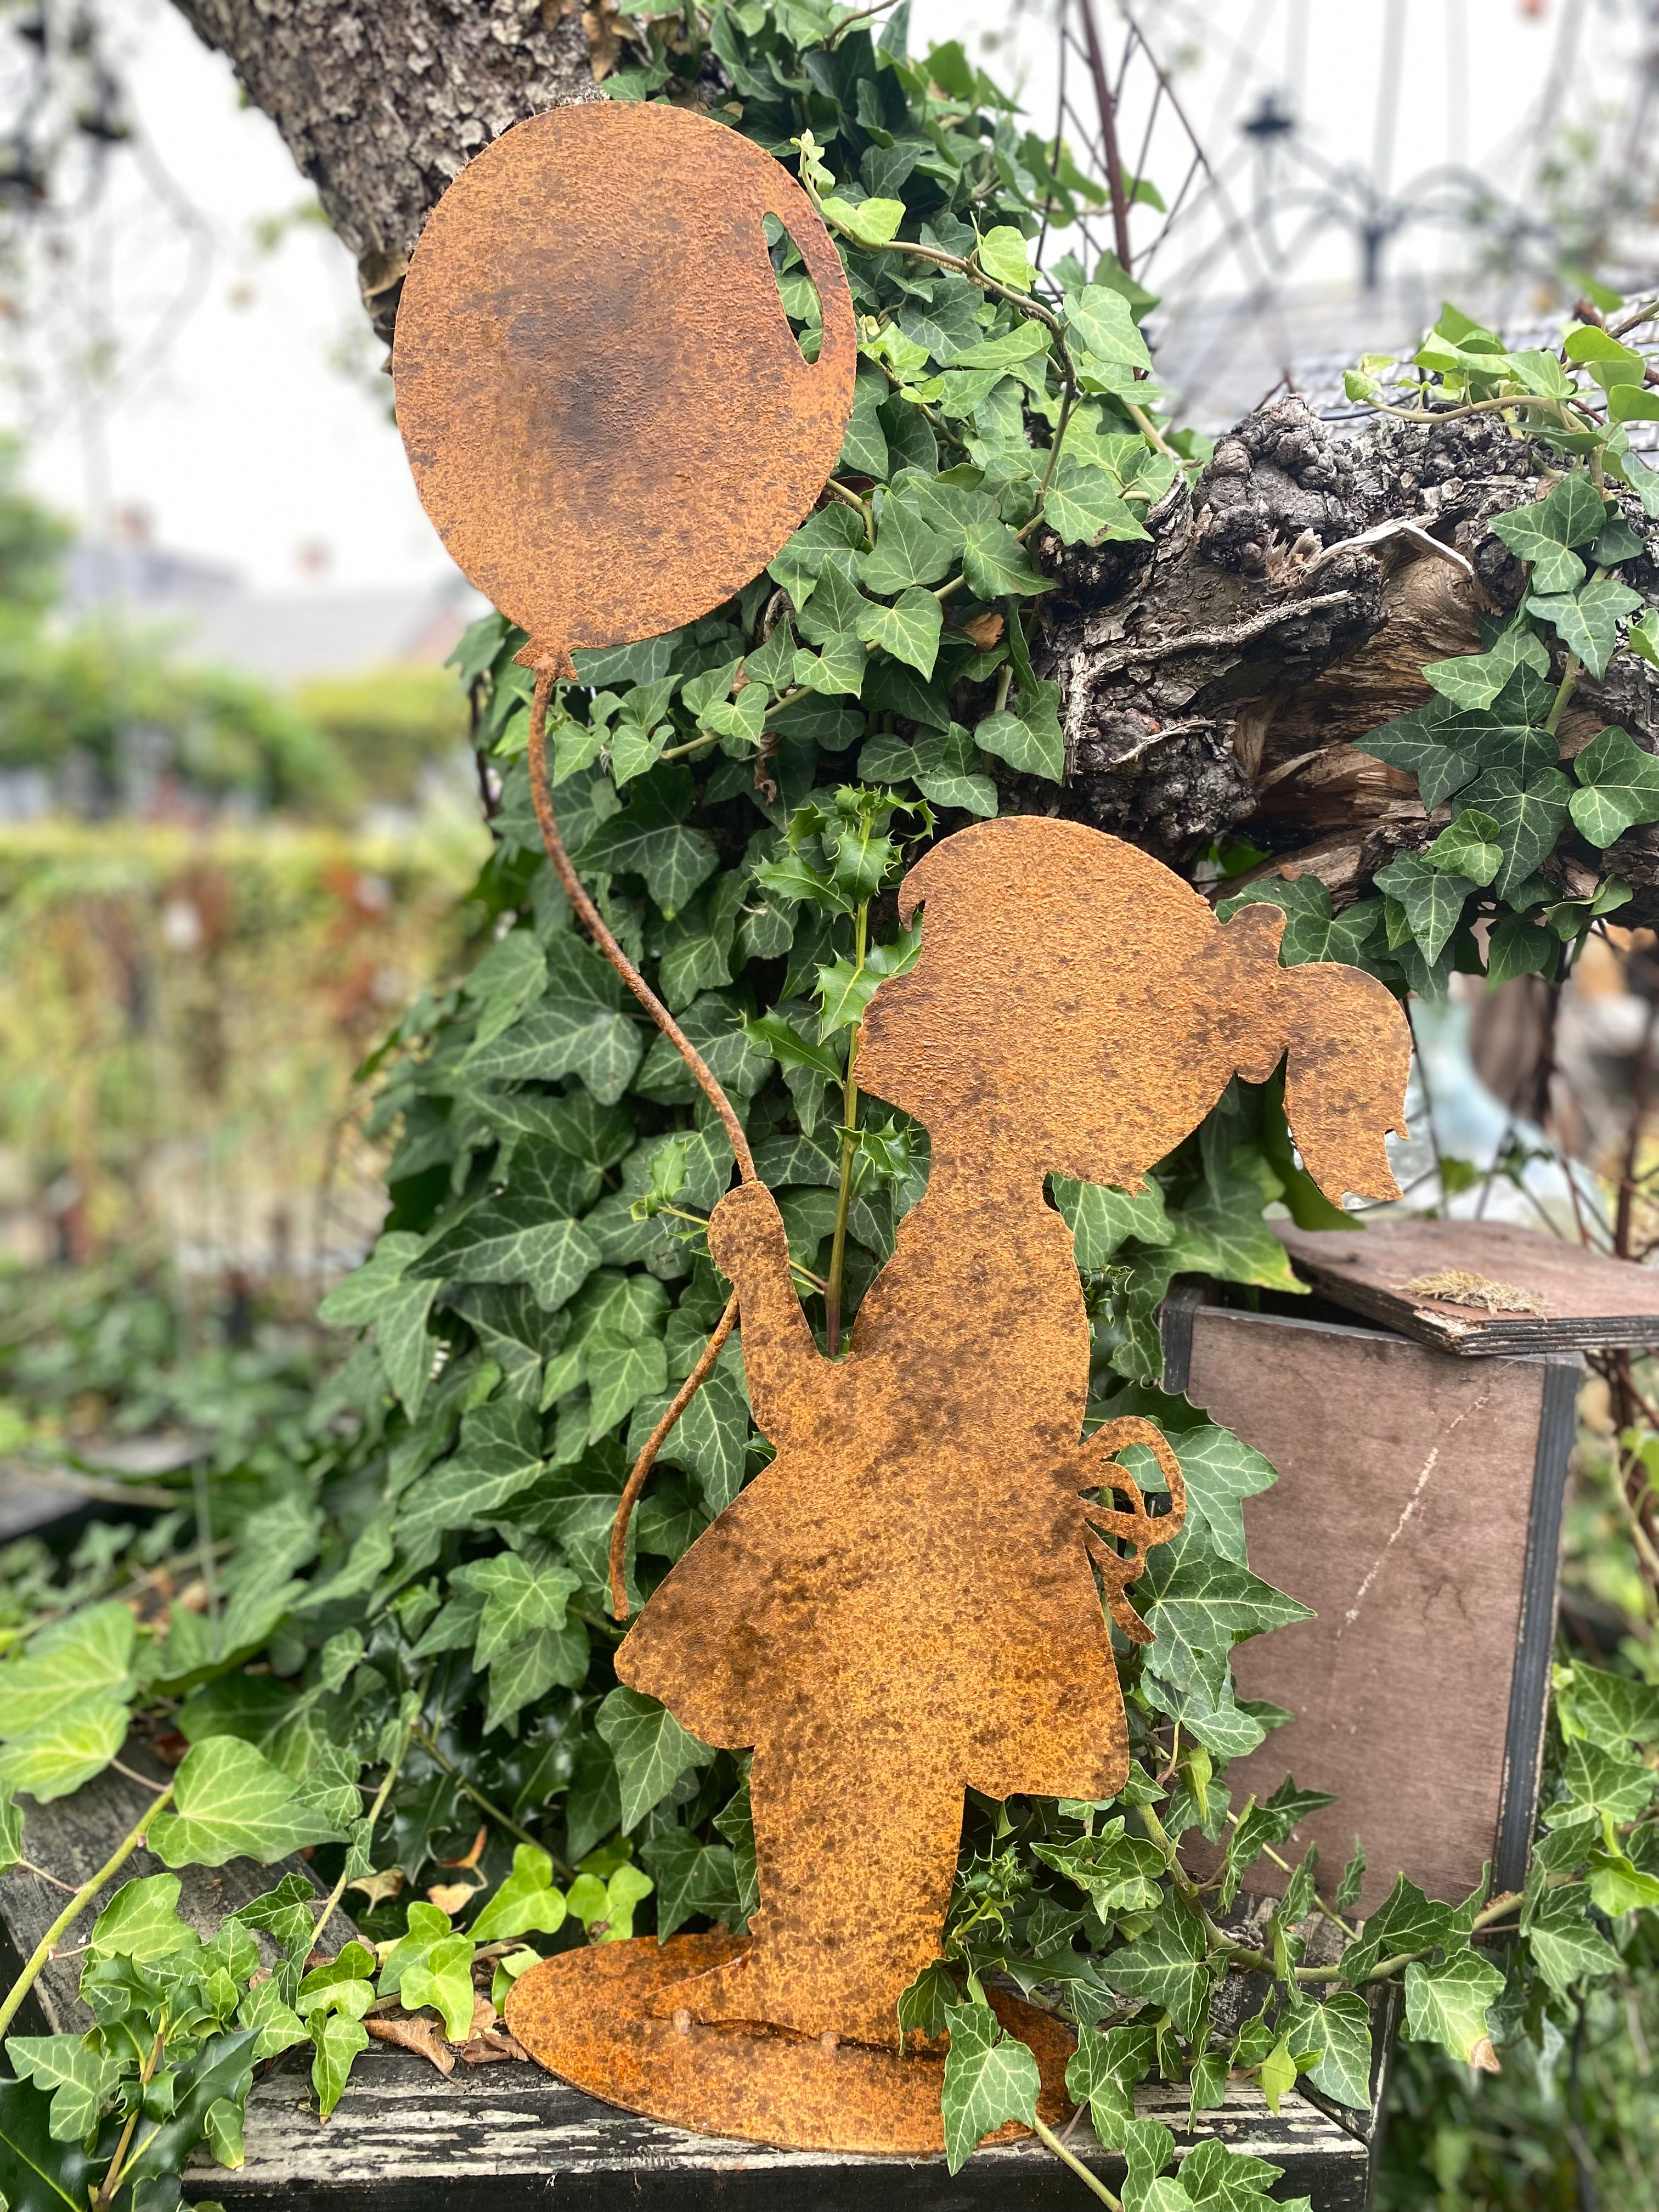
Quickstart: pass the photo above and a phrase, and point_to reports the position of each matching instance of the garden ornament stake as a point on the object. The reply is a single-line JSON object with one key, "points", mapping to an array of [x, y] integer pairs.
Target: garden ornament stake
{"points": [[913, 1599]]}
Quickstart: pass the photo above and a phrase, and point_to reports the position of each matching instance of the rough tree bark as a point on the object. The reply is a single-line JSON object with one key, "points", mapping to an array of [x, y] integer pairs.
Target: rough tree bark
{"points": [[1212, 680]]}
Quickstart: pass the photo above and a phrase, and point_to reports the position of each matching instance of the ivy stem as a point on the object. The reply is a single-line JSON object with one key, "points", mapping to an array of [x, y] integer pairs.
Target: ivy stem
{"points": [[428, 1744], [849, 1145], [1046, 2136], [111, 2178], [331, 1903], [82, 1897], [1570, 676]]}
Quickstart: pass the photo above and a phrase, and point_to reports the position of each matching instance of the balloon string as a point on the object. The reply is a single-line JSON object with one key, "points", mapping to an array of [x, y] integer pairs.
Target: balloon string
{"points": [[547, 675]]}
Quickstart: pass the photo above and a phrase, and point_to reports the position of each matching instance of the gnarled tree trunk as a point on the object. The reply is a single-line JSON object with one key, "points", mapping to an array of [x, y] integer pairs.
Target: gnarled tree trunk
{"points": [[1214, 680]]}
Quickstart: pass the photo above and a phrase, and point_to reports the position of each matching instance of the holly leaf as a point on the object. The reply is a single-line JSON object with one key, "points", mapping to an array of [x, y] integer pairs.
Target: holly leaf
{"points": [[909, 630], [1618, 787], [651, 1749], [231, 1802], [990, 2077], [1448, 2004]]}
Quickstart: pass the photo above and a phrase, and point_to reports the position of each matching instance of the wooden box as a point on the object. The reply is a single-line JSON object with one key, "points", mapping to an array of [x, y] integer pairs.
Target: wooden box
{"points": [[1418, 1512]]}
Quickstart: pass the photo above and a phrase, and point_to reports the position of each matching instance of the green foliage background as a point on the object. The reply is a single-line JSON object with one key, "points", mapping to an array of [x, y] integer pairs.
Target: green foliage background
{"points": [[419, 1565]]}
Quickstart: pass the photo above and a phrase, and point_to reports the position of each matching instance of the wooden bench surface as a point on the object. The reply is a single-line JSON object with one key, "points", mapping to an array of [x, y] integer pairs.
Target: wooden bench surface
{"points": [[405, 2139]]}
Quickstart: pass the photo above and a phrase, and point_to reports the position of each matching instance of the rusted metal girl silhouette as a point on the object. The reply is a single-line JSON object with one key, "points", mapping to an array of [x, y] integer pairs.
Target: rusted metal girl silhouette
{"points": [[913, 1599], [902, 1605]]}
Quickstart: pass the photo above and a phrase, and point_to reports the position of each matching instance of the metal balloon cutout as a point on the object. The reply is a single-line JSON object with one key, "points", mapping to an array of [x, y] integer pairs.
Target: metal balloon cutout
{"points": [[916, 1597]]}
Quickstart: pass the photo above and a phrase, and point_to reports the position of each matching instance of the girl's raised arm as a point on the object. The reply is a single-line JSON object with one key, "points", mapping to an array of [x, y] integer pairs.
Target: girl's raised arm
{"points": [[787, 1372]]}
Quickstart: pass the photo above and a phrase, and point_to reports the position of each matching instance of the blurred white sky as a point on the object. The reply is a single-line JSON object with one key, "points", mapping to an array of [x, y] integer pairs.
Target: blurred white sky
{"points": [[246, 446]]}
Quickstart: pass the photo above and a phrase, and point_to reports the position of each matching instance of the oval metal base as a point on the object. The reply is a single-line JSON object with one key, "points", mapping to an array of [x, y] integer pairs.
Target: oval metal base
{"points": [[583, 2014]]}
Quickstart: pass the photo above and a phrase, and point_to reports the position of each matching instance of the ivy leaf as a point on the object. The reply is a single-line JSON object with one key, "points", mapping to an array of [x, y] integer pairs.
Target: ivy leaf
{"points": [[598, 1043], [1081, 505], [1100, 319], [1101, 1217], [506, 981], [1620, 787], [526, 1900], [906, 552], [516, 1600], [909, 630], [1001, 254], [1343, 2070], [1102, 2073], [651, 1749], [1610, 1710], [1447, 2004], [515, 1239], [88, 1655], [1570, 513], [338, 2039], [1528, 820], [142, 1920], [692, 1878], [1518, 947], [650, 837], [11, 1828], [442, 1977], [1565, 1947], [833, 608], [79, 2078], [1221, 1471], [1468, 847], [871, 222], [1588, 620], [222, 2071], [997, 565], [1475, 679], [277, 2026], [1029, 740], [59, 1756], [1204, 1604], [525, 1671], [606, 1909], [990, 2077], [231, 1802], [1165, 1965], [499, 1453], [42, 2174], [1406, 1921], [1433, 901], [1411, 742]]}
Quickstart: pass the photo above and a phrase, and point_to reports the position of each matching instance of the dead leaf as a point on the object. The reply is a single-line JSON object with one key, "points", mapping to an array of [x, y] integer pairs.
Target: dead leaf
{"points": [[604, 42], [450, 1897], [485, 2050], [1484, 2057], [473, 1855], [985, 629], [414, 2032], [377, 1888], [484, 2016]]}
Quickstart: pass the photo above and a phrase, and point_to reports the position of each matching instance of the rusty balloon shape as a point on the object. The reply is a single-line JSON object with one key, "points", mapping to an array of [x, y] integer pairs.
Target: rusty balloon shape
{"points": [[609, 419], [913, 1599]]}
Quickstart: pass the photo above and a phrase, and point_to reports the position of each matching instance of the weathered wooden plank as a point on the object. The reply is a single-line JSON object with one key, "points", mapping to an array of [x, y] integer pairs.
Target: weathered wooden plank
{"points": [[1583, 1298], [402, 2137], [1418, 1510]]}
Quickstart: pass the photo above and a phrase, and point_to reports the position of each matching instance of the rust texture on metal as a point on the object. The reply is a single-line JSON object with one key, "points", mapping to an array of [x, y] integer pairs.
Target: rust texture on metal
{"points": [[588, 2016], [902, 1605], [608, 418]]}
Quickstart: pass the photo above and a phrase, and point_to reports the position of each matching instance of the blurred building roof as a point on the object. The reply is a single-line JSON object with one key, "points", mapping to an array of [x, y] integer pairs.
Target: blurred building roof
{"points": [[282, 637]]}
